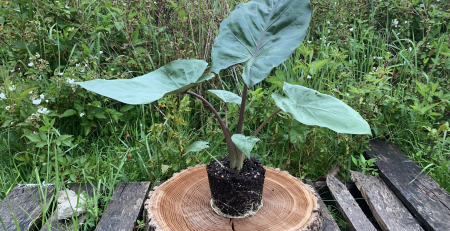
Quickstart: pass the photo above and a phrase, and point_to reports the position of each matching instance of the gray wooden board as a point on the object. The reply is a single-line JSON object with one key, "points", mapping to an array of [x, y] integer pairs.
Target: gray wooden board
{"points": [[325, 194], [68, 224], [25, 203], [388, 210], [351, 211], [423, 197], [125, 207], [328, 223]]}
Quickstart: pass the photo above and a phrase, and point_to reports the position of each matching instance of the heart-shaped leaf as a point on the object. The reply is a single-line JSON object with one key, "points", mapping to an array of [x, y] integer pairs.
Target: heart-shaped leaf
{"points": [[197, 146], [313, 108], [262, 32], [244, 143], [225, 96], [175, 77]]}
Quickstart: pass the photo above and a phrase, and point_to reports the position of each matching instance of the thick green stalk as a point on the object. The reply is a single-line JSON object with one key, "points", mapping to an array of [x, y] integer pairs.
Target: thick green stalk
{"points": [[240, 155]]}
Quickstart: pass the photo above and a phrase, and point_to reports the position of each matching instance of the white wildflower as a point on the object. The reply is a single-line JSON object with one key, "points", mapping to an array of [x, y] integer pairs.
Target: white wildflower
{"points": [[309, 41], [30, 64], [31, 92], [81, 114], [67, 7], [12, 88], [46, 100], [41, 96], [112, 69], [61, 73], [71, 81], [406, 22], [37, 55], [36, 101], [82, 70], [12, 70], [43, 111], [410, 48], [351, 29], [308, 77], [44, 164], [101, 52], [422, 5], [328, 31], [328, 22], [77, 65], [395, 22], [379, 57], [2, 96]]}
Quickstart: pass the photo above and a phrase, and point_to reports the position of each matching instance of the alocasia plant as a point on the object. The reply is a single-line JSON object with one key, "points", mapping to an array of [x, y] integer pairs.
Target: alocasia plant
{"points": [[262, 34]]}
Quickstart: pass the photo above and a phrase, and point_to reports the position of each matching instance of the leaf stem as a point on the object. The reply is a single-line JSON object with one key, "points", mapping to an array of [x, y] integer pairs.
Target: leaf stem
{"points": [[225, 130], [214, 158], [232, 150], [242, 110], [265, 122]]}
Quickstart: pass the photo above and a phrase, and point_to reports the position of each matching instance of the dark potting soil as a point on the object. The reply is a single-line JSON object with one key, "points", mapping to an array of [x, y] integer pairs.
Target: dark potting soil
{"points": [[236, 192]]}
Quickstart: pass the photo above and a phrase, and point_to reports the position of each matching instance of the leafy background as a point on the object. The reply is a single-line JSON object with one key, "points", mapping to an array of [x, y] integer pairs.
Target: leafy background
{"points": [[389, 60]]}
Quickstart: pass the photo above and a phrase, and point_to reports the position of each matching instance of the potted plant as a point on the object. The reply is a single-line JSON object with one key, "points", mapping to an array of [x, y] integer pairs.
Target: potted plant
{"points": [[261, 34]]}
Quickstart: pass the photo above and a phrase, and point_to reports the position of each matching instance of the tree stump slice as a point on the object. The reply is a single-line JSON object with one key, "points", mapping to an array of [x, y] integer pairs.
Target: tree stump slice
{"points": [[183, 204]]}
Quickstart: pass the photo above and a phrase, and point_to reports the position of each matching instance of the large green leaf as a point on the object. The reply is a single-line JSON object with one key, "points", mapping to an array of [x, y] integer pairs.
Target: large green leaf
{"points": [[244, 143], [175, 77], [263, 33], [313, 108], [225, 96]]}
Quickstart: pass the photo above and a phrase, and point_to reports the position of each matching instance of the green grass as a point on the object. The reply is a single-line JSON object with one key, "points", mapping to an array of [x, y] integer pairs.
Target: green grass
{"points": [[394, 75]]}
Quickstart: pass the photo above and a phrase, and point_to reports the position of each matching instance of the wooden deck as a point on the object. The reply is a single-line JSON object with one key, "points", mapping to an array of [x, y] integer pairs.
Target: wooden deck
{"points": [[403, 198]]}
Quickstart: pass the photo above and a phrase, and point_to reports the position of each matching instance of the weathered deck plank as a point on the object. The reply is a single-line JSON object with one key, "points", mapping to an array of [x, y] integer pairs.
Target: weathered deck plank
{"points": [[68, 224], [25, 203], [351, 211], [424, 198], [125, 207], [328, 223], [388, 210]]}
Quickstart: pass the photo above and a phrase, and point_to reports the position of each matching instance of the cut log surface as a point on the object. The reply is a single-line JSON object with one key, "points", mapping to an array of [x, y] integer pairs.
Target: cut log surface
{"points": [[328, 223], [183, 204], [25, 203], [351, 211], [68, 224], [388, 210], [125, 207], [423, 197]]}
